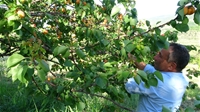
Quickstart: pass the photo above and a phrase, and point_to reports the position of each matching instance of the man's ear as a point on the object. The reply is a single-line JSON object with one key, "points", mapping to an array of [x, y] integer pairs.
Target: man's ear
{"points": [[172, 66]]}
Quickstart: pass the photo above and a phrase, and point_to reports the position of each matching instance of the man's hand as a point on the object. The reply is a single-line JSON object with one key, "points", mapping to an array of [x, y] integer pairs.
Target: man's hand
{"points": [[133, 60]]}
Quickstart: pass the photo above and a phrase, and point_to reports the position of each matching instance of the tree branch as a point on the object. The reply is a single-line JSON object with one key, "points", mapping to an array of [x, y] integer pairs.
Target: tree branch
{"points": [[151, 29], [37, 85]]}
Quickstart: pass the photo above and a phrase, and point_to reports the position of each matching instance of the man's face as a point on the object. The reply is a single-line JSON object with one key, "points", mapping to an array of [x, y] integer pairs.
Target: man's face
{"points": [[161, 60]]}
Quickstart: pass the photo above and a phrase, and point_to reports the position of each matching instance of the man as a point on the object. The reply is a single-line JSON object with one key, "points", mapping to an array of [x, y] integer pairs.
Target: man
{"points": [[168, 93]]}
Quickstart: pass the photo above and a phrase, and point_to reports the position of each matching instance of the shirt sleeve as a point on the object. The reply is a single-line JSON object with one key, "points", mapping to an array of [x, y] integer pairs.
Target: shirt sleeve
{"points": [[132, 87], [149, 68]]}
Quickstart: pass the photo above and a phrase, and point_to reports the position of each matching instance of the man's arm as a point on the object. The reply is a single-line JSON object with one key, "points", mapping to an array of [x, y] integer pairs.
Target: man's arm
{"points": [[139, 65]]}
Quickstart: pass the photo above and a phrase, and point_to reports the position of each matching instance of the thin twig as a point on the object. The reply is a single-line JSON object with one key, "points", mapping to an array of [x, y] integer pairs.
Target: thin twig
{"points": [[151, 29], [37, 85]]}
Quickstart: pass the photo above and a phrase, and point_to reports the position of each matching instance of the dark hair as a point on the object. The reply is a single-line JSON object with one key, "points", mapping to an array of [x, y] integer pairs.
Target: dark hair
{"points": [[180, 55]]}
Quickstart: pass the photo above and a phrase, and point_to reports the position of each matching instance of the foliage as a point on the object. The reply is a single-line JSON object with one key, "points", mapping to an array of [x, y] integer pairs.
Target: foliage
{"points": [[66, 48]]}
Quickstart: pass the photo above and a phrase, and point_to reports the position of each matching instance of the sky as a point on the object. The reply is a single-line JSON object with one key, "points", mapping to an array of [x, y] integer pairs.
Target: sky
{"points": [[150, 9], [154, 8]]}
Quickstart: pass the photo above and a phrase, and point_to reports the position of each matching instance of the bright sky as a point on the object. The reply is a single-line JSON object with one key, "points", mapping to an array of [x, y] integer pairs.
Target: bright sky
{"points": [[153, 8], [148, 9]]}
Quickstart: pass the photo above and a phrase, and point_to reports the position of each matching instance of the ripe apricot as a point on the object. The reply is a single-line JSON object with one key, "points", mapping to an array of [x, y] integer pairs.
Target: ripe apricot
{"points": [[120, 17], [105, 21], [48, 79], [77, 2], [67, 2], [59, 33], [33, 25], [84, 3], [63, 10], [44, 31], [20, 13], [191, 10], [185, 10], [22, 1]]}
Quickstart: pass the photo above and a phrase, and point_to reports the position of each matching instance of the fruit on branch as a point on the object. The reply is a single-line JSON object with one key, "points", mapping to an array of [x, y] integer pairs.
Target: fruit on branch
{"points": [[67, 2], [77, 2], [189, 10], [20, 13], [84, 3], [44, 31], [105, 21], [120, 17], [22, 1], [33, 25], [59, 33], [63, 10]]}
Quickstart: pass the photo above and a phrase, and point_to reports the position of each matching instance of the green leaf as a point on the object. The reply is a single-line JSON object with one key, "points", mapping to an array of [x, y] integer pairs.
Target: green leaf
{"points": [[68, 63], [29, 73], [101, 82], [185, 20], [197, 97], [130, 47], [2, 23], [13, 72], [164, 109], [142, 74], [126, 42], [123, 52], [108, 65], [80, 53], [81, 106], [21, 71], [182, 27], [66, 54], [17, 26], [166, 44], [173, 23], [42, 74], [158, 31], [44, 65], [189, 109], [153, 82], [114, 10], [160, 44], [13, 17], [14, 60], [180, 12], [126, 19], [159, 75], [83, 14], [182, 2], [145, 50], [137, 79], [105, 42], [148, 23], [60, 89], [197, 18], [59, 50], [121, 75], [133, 21]]}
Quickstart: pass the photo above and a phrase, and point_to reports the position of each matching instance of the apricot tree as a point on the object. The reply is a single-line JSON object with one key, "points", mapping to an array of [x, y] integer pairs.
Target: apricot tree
{"points": [[63, 49]]}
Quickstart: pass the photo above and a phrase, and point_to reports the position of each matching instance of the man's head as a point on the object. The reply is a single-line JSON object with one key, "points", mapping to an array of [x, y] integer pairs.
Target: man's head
{"points": [[173, 59]]}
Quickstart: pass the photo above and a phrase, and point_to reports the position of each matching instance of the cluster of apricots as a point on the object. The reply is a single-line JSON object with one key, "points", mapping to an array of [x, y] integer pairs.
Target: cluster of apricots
{"points": [[189, 10], [76, 2]]}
